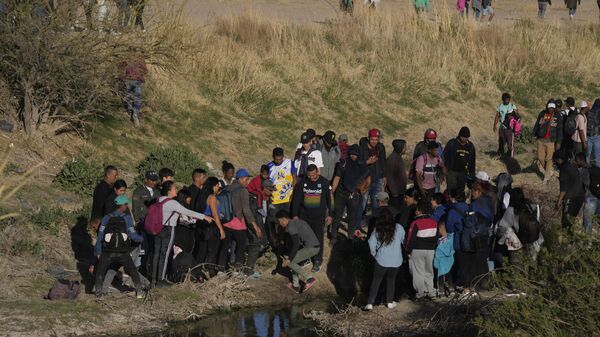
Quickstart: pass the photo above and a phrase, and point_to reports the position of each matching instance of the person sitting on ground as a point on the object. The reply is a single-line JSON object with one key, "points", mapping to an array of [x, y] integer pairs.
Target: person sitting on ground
{"points": [[421, 147], [460, 160], [301, 234], [228, 173], [119, 188], [549, 133], [443, 259], [420, 245], [395, 173], [114, 236], [386, 247], [102, 191], [430, 171]]}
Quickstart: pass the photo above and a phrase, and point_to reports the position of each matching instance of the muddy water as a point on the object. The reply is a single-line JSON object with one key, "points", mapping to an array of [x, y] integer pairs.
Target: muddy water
{"points": [[285, 321]]}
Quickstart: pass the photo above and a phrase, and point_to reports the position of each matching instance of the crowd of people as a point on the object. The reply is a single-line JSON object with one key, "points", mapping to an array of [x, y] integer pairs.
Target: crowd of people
{"points": [[437, 221]]}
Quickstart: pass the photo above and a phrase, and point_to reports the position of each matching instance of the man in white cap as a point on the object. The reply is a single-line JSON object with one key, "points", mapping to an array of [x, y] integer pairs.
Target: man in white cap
{"points": [[549, 133], [482, 177]]}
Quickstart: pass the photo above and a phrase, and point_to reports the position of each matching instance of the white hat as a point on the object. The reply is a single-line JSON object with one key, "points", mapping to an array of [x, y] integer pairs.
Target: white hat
{"points": [[583, 104], [551, 105], [483, 176]]}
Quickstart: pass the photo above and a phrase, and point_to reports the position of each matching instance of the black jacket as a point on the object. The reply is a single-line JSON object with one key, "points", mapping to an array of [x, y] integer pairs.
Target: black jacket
{"points": [[141, 199], [101, 193], [454, 153], [377, 169]]}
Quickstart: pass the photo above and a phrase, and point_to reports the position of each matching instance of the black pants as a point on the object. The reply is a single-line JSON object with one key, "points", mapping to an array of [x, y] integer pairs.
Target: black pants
{"points": [[139, 13], [106, 259], [390, 278], [350, 202], [163, 243], [472, 267], [208, 246], [241, 242], [317, 224], [571, 208], [396, 202]]}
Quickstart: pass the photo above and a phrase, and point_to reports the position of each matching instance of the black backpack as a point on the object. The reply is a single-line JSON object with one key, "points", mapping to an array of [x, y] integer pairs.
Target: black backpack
{"points": [[529, 224], [116, 239], [571, 123], [595, 180], [475, 233]]}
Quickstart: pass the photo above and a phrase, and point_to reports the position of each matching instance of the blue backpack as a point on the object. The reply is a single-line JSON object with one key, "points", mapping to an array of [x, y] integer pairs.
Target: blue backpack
{"points": [[225, 202], [475, 233]]}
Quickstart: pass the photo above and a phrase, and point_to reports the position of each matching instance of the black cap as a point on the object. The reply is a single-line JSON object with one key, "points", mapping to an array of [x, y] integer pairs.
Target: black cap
{"points": [[354, 150], [570, 101], [464, 132], [152, 175], [329, 138], [305, 138]]}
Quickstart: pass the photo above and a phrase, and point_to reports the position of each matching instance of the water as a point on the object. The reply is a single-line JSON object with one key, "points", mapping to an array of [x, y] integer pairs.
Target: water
{"points": [[263, 322]]}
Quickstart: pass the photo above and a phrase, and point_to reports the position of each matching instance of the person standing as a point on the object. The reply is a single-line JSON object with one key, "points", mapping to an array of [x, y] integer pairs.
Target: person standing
{"points": [[420, 246], [460, 160], [102, 191], [421, 147], [197, 191], [572, 192], [579, 138], [144, 194], [487, 10], [228, 173], [461, 6], [549, 133], [343, 146], [313, 203], [119, 188], [506, 135], [138, 9], [572, 6], [330, 154], [373, 152], [133, 73], [385, 245], [430, 171], [282, 173], [124, 8], [395, 173], [593, 134], [212, 234], [301, 235], [307, 154], [542, 7], [421, 6], [589, 176]]}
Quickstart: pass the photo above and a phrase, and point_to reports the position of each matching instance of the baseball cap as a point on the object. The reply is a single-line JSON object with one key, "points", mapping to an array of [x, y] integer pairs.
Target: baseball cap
{"points": [[354, 149], [374, 133], [382, 196], [343, 137], [268, 184], [430, 134], [583, 104], [329, 137], [122, 200], [551, 105], [483, 176], [242, 173], [151, 175], [305, 138]]}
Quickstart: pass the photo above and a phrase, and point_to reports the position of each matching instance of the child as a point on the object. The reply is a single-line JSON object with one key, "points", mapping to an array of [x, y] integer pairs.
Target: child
{"points": [[420, 245], [444, 258]]}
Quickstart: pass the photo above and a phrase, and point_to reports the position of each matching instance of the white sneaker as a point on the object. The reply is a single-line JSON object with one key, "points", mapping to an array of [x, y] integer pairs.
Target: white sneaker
{"points": [[368, 307], [392, 305]]}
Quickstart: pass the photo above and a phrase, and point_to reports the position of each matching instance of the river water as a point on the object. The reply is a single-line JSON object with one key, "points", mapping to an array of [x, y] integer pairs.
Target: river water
{"points": [[286, 321]]}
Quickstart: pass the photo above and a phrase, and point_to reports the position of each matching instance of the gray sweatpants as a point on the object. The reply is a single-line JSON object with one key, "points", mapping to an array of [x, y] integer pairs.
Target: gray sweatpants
{"points": [[421, 268]]}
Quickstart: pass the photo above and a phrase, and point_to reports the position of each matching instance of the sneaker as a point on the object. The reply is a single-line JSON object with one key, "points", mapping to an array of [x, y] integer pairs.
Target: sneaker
{"points": [[293, 288], [368, 307], [309, 283], [140, 294], [392, 305]]}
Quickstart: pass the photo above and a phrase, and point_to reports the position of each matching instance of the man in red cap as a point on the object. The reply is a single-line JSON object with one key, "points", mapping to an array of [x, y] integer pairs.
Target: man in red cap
{"points": [[421, 147], [373, 153]]}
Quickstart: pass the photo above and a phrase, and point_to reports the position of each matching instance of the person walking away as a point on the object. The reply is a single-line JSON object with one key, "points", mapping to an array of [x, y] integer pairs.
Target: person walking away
{"points": [[430, 171], [542, 7], [313, 203], [170, 209], [124, 16], [461, 6], [421, 147], [307, 155], [237, 228], [330, 154], [506, 135], [590, 177], [421, 6], [102, 191], [395, 173], [460, 160], [350, 176], [343, 146], [420, 245], [138, 10], [572, 7], [133, 73], [114, 236], [593, 133], [347, 6], [228, 173], [373, 152], [477, 8], [443, 259], [549, 133], [301, 235], [119, 188], [385, 245]]}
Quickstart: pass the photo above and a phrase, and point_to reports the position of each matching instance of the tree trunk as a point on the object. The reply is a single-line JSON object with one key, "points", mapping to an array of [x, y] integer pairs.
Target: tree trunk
{"points": [[31, 112]]}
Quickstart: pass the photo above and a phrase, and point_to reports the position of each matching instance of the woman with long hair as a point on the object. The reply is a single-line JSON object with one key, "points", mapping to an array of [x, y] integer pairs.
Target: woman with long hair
{"points": [[213, 233], [386, 247]]}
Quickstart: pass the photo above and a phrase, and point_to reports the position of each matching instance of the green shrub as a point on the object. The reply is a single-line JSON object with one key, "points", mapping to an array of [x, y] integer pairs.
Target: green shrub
{"points": [[26, 246], [80, 175], [50, 218], [179, 159]]}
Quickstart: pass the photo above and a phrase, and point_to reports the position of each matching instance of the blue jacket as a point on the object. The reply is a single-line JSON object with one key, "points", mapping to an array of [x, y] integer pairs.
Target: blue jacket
{"points": [[444, 254], [439, 213], [390, 255], [130, 230], [454, 220], [484, 206]]}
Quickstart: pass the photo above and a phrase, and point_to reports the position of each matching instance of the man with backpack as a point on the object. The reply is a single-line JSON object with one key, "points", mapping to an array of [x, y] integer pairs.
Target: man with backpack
{"points": [[505, 113], [549, 133], [580, 136], [307, 154], [421, 147], [459, 159], [593, 134], [114, 241], [430, 171], [570, 128], [572, 191]]}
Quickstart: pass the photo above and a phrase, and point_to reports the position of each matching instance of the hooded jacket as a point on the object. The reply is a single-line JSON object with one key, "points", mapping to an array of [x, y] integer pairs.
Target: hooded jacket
{"points": [[395, 170]]}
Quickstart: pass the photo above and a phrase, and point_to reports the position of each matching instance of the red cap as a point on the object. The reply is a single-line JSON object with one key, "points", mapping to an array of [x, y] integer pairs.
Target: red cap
{"points": [[374, 133], [430, 134]]}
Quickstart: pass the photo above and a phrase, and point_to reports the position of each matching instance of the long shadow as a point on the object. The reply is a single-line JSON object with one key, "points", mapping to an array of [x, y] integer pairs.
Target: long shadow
{"points": [[350, 268], [83, 250]]}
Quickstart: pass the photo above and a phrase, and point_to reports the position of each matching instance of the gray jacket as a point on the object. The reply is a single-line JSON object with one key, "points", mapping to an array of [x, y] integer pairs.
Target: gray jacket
{"points": [[330, 159], [240, 202], [141, 200]]}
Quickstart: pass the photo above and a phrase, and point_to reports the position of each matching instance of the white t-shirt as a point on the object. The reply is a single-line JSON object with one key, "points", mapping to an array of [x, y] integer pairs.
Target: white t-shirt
{"points": [[315, 157]]}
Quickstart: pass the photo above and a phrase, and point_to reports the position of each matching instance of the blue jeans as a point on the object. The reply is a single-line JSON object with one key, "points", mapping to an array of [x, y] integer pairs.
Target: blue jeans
{"points": [[590, 211], [376, 186], [134, 96], [594, 148]]}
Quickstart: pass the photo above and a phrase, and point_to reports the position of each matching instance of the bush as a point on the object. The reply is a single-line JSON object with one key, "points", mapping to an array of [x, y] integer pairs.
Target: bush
{"points": [[50, 218], [79, 175], [26, 246], [179, 159]]}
